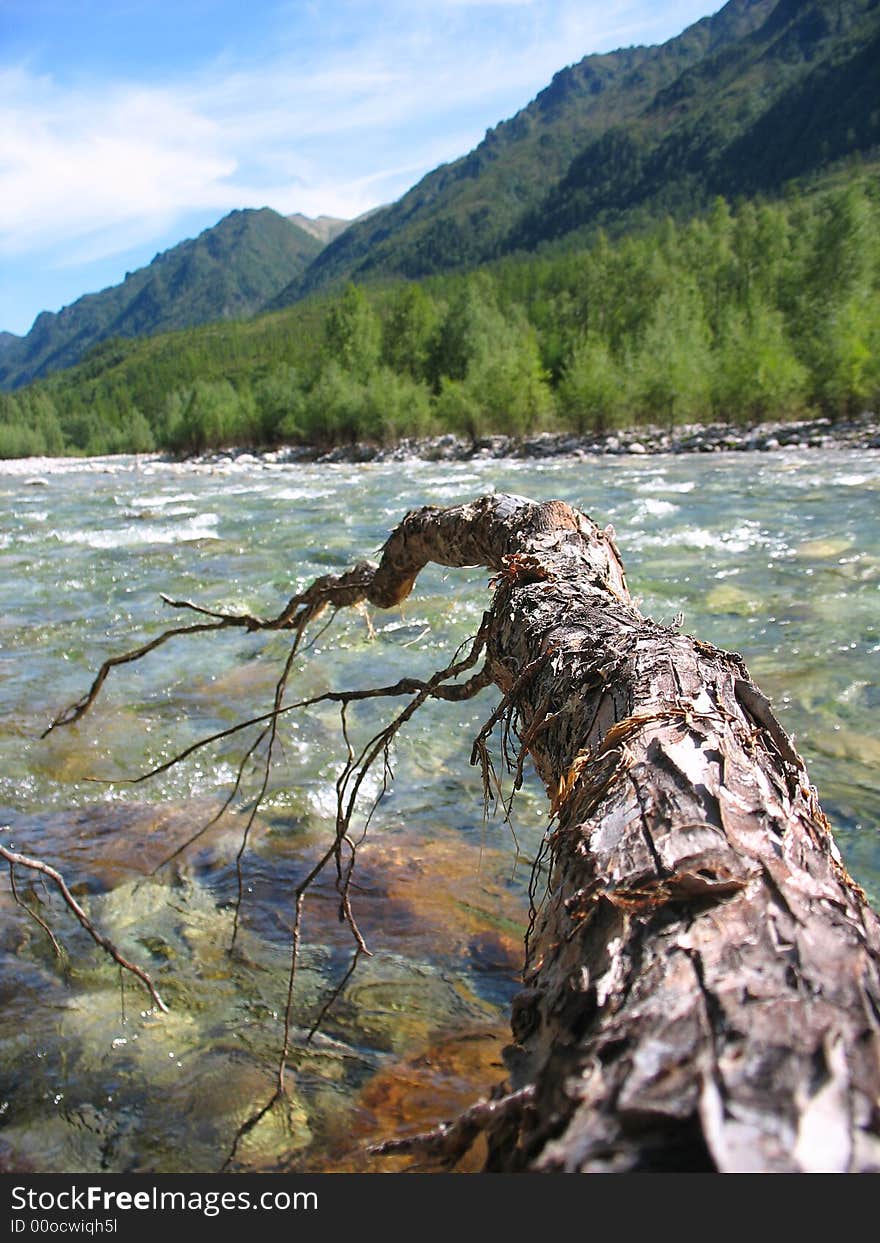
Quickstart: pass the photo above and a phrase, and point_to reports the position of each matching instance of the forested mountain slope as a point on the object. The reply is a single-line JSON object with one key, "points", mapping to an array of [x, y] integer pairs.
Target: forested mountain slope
{"points": [[227, 272], [766, 311], [741, 102]]}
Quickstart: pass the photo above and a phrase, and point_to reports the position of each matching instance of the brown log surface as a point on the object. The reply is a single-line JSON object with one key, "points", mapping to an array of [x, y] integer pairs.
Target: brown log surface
{"points": [[702, 987]]}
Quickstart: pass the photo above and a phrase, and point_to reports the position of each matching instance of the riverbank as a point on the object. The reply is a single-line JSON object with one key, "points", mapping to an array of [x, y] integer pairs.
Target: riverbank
{"points": [[862, 432]]}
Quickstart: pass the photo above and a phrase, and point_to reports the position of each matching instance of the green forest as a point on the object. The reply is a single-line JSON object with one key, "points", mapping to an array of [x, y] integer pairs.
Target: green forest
{"points": [[751, 311]]}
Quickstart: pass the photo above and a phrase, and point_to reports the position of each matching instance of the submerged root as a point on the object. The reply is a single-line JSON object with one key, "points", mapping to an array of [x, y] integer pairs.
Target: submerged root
{"points": [[404, 554], [15, 859], [447, 1143]]}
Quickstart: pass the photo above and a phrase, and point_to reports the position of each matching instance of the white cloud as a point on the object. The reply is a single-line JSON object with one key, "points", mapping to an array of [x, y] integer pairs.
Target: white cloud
{"points": [[71, 164], [323, 123], [335, 123], [100, 170]]}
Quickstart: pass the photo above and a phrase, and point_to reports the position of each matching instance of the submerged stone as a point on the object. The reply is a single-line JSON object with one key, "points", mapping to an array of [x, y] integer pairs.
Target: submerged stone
{"points": [[821, 549]]}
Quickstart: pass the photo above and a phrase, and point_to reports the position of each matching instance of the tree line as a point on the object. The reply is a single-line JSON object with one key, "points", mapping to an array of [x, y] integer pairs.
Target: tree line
{"points": [[763, 310]]}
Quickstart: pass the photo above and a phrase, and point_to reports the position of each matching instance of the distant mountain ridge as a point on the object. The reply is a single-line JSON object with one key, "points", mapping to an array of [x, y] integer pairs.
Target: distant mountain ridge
{"points": [[798, 93], [761, 92], [228, 272], [742, 102], [327, 228], [324, 228]]}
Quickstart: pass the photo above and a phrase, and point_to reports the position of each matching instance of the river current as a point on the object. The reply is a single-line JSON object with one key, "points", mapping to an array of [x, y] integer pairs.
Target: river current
{"points": [[775, 555]]}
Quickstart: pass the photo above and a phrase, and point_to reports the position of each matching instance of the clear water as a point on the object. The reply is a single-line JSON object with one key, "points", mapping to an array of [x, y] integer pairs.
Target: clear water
{"points": [[774, 555]]}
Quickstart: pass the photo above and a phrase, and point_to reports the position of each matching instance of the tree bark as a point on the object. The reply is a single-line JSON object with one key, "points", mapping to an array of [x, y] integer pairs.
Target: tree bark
{"points": [[702, 988]]}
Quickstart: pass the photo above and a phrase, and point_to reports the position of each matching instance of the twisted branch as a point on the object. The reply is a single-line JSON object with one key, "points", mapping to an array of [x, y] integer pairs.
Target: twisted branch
{"points": [[14, 859]]}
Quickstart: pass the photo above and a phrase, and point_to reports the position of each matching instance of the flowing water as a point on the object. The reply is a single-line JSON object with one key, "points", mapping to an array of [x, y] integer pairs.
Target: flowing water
{"points": [[774, 555]]}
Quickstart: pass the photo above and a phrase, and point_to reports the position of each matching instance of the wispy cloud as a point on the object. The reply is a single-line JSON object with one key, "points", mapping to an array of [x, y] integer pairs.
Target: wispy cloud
{"points": [[71, 163]]}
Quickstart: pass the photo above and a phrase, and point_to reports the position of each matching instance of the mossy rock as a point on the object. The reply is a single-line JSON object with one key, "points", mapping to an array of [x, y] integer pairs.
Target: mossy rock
{"points": [[726, 598], [823, 549]]}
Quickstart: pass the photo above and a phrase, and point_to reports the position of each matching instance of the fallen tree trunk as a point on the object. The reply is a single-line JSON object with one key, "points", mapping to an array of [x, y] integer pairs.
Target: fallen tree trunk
{"points": [[702, 984]]}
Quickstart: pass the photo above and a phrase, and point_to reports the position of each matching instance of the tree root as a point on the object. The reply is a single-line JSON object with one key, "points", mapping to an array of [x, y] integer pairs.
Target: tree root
{"points": [[447, 1143], [14, 859]]}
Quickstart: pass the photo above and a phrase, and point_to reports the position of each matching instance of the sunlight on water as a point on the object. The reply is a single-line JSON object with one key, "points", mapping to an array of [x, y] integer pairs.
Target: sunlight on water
{"points": [[776, 556]]}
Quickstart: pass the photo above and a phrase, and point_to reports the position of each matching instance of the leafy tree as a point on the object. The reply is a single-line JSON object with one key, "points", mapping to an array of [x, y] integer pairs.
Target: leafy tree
{"points": [[394, 406], [409, 326], [843, 256], [504, 388], [593, 391], [210, 415], [280, 404], [472, 322], [671, 364], [847, 355], [335, 406], [134, 434], [754, 370], [512, 386], [352, 333]]}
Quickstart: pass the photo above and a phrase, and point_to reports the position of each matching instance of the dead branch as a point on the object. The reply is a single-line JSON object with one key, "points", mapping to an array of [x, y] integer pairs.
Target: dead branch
{"points": [[14, 859]]}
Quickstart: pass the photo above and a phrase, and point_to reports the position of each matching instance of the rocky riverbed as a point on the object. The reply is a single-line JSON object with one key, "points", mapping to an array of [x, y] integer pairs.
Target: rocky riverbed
{"points": [[775, 555], [861, 432]]}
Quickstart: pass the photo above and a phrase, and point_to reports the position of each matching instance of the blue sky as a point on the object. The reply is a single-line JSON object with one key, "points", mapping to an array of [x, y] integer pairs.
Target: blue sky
{"points": [[128, 125]]}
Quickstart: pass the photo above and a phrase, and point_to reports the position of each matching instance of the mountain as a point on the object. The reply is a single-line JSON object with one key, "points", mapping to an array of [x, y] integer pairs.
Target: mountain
{"points": [[327, 228], [757, 94], [743, 102], [228, 272], [324, 228], [799, 93]]}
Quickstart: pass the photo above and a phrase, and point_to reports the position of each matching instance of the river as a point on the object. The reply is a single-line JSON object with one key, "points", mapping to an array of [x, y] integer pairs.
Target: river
{"points": [[775, 555]]}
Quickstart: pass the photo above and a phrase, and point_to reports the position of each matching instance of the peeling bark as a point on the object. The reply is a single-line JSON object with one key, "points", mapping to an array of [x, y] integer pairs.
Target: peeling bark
{"points": [[702, 987]]}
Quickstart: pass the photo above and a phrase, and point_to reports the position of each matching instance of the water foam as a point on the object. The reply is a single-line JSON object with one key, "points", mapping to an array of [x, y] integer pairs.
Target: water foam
{"points": [[200, 527]]}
